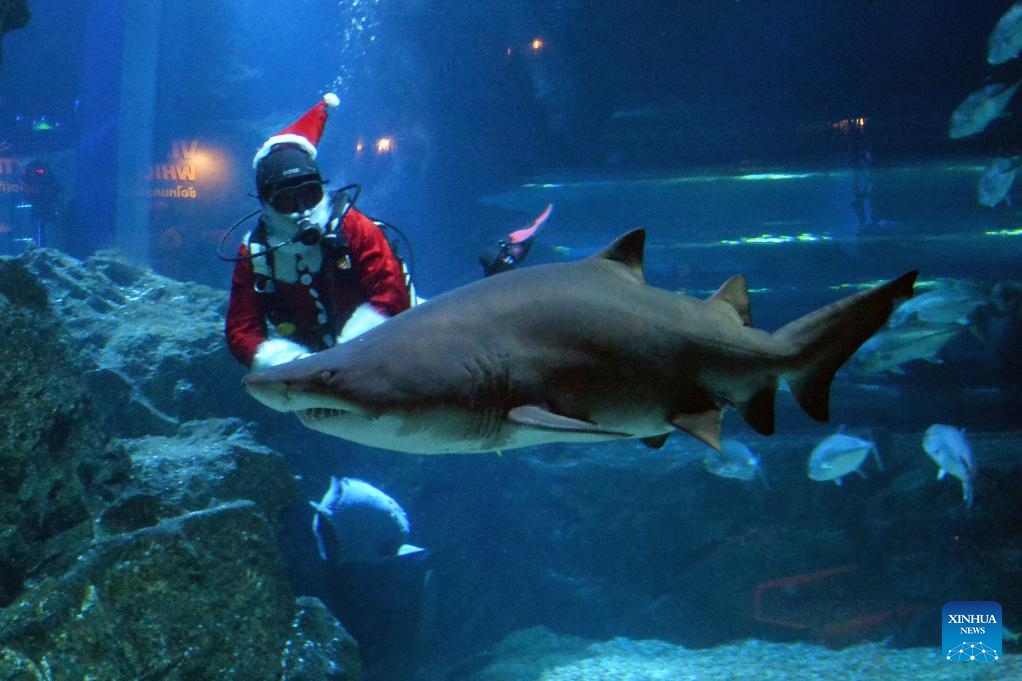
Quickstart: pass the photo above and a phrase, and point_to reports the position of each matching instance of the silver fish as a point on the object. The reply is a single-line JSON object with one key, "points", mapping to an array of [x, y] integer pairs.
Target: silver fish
{"points": [[838, 455], [357, 523], [734, 460], [951, 301], [891, 349], [996, 181], [949, 449], [1006, 39], [979, 109]]}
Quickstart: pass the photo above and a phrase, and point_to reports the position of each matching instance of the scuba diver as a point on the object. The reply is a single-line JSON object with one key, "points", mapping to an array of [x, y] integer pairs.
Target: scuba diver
{"points": [[316, 271]]}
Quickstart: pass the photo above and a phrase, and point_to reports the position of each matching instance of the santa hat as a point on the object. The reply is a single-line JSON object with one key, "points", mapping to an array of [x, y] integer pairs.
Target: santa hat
{"points": [[303, 133]]}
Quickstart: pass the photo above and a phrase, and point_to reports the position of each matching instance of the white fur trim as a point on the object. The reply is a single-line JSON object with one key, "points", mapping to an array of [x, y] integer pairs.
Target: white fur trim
{"points": [[361, 320], [277, 351], [286, 138], [332, 100]]}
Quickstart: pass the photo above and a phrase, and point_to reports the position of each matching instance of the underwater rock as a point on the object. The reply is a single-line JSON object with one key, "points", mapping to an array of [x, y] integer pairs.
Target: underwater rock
{"points": [[140, 558], [320, 649], [154, 346], [208, 462], [196, 596], [57, 467]]}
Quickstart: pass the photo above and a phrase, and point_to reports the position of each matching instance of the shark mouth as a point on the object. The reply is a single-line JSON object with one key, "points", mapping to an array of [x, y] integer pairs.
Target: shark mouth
{"points": [[311, 416]]}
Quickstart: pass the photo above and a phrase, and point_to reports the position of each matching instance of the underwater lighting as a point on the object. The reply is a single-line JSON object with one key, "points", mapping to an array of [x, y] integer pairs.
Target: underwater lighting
{"points": [[1003, 232], [773, 177], [773, 239], [619, 183], [858, 286], [537, 45], [847, 125], [384, 145]]}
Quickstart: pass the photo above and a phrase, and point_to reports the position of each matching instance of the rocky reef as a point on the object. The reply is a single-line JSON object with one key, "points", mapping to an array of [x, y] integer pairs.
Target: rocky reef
{"points": [[138, 543], [152, 347]]}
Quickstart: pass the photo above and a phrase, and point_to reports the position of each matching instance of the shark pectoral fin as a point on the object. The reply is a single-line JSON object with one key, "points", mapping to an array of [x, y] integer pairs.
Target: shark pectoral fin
{"points": [[656, 441], [704, 426], [544, 419]]}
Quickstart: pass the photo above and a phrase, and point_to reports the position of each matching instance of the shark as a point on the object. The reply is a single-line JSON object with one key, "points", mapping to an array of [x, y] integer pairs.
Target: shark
{"points": [[582, 351]]}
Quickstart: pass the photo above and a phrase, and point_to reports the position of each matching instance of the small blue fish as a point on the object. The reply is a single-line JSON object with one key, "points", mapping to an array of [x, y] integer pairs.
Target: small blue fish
{"points": [[367, 525], [980, 108], [949, 449], [734, 460], [1006, 39], [838, 455], [996, 180]]}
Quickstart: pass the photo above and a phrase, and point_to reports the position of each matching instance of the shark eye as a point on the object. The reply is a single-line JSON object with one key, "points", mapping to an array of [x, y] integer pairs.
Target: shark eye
{"points": [[326, 376]]}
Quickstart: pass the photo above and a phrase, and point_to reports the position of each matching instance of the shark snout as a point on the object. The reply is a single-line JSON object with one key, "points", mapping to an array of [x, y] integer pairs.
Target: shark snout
{"points": [[284, 390], [288, 395], [273, 394]]}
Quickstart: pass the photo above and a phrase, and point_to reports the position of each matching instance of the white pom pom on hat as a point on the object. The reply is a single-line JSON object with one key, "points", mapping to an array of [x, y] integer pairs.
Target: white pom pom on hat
{"points": [[304, 132]]}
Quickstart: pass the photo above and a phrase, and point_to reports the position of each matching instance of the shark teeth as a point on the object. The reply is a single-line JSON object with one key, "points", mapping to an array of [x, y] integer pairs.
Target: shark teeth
{"points": [[307, 416]]}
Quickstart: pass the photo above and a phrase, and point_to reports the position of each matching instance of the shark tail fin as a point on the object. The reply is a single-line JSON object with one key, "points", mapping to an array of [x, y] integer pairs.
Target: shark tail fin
{"points": [[824, 339]]}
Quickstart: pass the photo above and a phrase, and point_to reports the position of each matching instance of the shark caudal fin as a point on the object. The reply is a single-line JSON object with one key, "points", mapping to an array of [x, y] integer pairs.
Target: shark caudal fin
{"points": [[824, 339]]}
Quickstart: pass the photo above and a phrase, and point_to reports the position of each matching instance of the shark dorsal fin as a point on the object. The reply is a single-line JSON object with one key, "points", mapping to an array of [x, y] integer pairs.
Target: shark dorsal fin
{"points": [[627, 250], [735, 292]]}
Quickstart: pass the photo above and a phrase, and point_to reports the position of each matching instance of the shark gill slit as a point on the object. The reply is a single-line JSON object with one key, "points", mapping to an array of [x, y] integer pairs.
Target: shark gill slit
{"points": [[491, 384]]}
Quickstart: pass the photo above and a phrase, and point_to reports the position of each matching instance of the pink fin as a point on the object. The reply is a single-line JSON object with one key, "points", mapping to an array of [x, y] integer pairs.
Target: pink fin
{"points": [[526, 233]]}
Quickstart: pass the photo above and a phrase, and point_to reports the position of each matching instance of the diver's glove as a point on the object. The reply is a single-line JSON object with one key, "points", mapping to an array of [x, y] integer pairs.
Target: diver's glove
{"points": [[277, 351], [361, 320]]}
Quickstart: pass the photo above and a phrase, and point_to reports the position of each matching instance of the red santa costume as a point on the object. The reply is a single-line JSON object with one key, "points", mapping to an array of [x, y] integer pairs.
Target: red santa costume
{"points": [[315, 271]]}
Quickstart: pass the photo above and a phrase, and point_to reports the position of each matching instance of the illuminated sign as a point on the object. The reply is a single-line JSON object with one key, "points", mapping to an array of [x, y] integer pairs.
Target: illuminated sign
{"points": [[187, 168], [15, 184]]}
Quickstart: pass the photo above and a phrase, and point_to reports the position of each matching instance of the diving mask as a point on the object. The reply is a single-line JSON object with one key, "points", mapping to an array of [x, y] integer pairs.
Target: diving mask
{"points": [[298, 198]]}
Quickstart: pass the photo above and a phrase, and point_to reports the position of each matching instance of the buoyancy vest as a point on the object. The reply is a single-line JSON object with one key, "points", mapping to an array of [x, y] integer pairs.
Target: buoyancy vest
{"points": [[336, 262]]}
